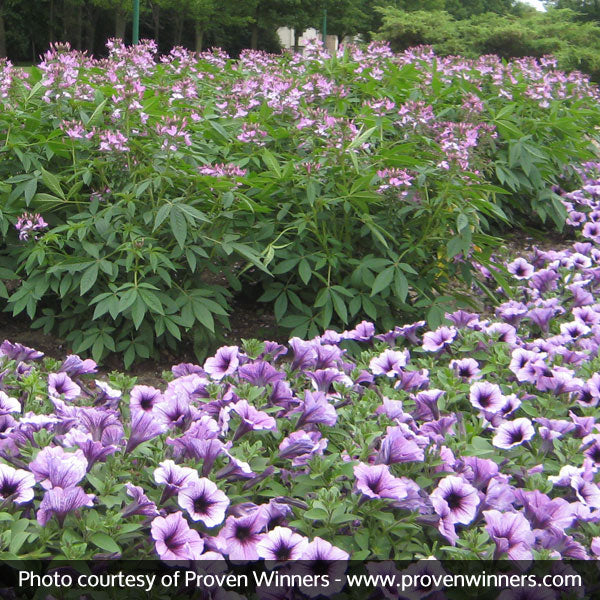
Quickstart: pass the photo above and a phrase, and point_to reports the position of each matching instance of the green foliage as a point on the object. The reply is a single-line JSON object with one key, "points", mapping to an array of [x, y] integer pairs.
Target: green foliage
{"points": [[364, 188], [576, 45]]}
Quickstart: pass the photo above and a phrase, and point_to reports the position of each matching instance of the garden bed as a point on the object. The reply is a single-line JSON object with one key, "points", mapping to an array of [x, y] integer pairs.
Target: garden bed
{"points": [[476, 440]]}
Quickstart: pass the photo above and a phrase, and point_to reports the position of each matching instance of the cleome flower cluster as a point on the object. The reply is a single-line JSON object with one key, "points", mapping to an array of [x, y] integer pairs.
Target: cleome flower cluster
{"points": [[475, 440]]}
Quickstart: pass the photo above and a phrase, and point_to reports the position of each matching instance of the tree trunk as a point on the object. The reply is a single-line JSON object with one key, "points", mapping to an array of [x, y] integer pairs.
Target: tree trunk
{"points": [[254, 38], [179, 28], [120, 25], [79, 28], [51, 23], [2, 35], [156, 20], [90, 29], [199, 37], [296, 40]]}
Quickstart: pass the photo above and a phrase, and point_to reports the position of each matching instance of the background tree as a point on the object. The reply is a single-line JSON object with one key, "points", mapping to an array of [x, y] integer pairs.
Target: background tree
{"points": [[585, 10]]}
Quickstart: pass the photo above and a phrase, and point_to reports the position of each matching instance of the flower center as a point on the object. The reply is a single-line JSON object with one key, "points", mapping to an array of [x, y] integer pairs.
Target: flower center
{"points": [[202, 504], [283, 553], [8, 489], [243, 533], [146, 403], [453, 499], [516, 436]]}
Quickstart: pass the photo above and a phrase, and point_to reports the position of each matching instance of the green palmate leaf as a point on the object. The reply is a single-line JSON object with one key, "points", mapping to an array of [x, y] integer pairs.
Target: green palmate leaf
{"points": [[138, 311], [127, 299], [192, 214], [250, 255], [304, 271], [340, 307], [360, 139], [105, 542], [151, 300], [98, 348], [52, 182], [369, 308], [161, 215], [29, 190], [382, 281], [280, 306], [462, 221], [88, 279], [271, 162], [203, 315], [96, 117], [400, 285], [178, 225]]}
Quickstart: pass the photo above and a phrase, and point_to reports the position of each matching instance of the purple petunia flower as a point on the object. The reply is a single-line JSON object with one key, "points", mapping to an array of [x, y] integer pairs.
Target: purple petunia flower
{"points": [[363, 332], [591, 231], [305, 354], [58, 502], [396, 447], [301, 446], [315, 409], [320, 557], [281, 544], [427, 405], [376, 481], [260, 373], [239, 537], [456, 498], [586, 491], [225, 362], [204, 501], [389, 362], [323, 379], [479, 471], [513, 433], [409, 331], [174, 540], [60, 384], [327, 356], [183, 369], [520, 268], [174, 477], [512, 312], [433, 341], [274, 350], [144, 427], [461, 318], [16, 484], [275, 513], [73, 365], [141, 504], [486, 397], [107, 396], [8, 404], [466, 368], [251, 419], [54, 467], [503, 332], [544, 513], [144, 397], [18, 352], [511, 533], [544, 280]]}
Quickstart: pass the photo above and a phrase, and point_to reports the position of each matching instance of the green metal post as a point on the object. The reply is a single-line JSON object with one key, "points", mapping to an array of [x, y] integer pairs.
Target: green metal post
{"points": [[135, 34], [324, 25]]}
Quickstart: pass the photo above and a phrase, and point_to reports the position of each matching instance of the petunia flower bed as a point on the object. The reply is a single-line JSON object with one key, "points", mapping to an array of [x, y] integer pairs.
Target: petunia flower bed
{"points": [[477, 440], [140, 193]]}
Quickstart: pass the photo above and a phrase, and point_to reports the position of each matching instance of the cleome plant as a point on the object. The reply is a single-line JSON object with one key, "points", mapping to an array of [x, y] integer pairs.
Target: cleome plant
{"points": [[139, 193]]}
